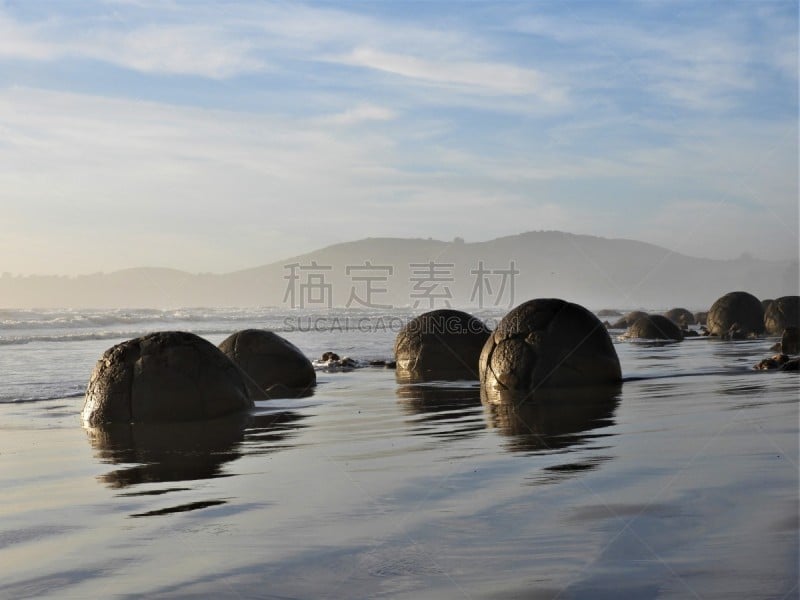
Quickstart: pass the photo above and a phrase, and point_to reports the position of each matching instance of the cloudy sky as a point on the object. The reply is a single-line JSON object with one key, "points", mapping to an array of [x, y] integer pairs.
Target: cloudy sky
{"points": [[213, 136]]}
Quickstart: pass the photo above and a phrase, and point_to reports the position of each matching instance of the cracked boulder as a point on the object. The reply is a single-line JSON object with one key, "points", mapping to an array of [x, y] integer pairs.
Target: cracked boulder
{"points": [[276, 365], [548, 343], [736, 315], [441, 343], [162, 377]]}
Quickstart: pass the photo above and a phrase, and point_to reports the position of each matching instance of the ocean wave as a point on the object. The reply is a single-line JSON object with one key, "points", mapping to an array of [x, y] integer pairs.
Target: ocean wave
{"points": [[98, 335], [71, 393], [26, 326], [84, 318], [74, 319]]}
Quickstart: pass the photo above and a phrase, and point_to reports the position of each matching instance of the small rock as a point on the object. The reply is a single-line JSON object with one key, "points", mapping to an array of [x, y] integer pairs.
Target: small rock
{"points": [[792, 364], [774, 362]]}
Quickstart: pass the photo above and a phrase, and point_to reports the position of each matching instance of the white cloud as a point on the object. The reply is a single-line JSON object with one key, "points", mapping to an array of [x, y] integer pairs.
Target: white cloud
{"points": [[703, 66], [192, 50], [217, 43], [222, 179], [476, 77], [534, 165], [22, 42], [207, 50], [747, 163], [361, 114], [317, 31], [361, 137], [214, 179]]}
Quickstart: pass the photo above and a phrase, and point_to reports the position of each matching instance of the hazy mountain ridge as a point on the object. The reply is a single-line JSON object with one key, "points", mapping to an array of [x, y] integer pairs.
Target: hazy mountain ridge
{"points": [[597, 272]]}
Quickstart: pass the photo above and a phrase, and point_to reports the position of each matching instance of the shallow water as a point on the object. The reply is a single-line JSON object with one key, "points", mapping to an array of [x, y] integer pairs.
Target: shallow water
{"points": [[682, 483]]}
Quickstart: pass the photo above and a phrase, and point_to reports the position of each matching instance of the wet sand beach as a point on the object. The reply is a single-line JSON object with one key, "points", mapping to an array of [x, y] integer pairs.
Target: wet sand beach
{"points": [[682, 484]]}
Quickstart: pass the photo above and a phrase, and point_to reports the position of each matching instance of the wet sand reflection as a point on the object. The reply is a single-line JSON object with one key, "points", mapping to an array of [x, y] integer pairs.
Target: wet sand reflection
{"points": [[173, 452], [445, 410], [550, 419]]}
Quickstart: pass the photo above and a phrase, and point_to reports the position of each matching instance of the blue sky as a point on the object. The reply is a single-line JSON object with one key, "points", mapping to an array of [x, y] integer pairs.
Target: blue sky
{"points": [[213, 136]]}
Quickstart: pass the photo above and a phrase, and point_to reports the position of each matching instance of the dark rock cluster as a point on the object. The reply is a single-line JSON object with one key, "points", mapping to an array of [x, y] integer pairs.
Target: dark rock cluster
{"points": [[546, 344], [173, 376]]}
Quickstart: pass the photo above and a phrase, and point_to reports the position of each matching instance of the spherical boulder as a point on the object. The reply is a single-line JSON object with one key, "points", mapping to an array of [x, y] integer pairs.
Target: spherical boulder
{"points": [[701, 317], [165, 377], [655, 327], [765, 304], [735, 315], [548, 343], [276, 365], [782, 312], [681, 317], [441, 343], [628, 320]]}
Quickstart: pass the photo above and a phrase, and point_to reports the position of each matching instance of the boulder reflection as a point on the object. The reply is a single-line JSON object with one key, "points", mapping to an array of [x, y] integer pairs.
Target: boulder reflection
{"points": [[457, 374], [550, 419], [443, 410], [164, 452]]}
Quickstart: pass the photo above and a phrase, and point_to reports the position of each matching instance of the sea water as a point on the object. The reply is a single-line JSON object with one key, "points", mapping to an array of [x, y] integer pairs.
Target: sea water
{"points": [[684, 483]]}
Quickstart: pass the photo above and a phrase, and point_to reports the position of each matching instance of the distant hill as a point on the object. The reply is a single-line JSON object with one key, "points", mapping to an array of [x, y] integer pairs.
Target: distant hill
{"points": [[594, 271]]}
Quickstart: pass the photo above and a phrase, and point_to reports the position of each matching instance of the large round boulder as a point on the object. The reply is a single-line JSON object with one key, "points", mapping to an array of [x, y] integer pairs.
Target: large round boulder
{"points": [[441, 343], [681, 317], [276, 365], [165, 377], [782, 312], [701, 317], [548, 343], [736, 314], [655, 327], [628, 320]]}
